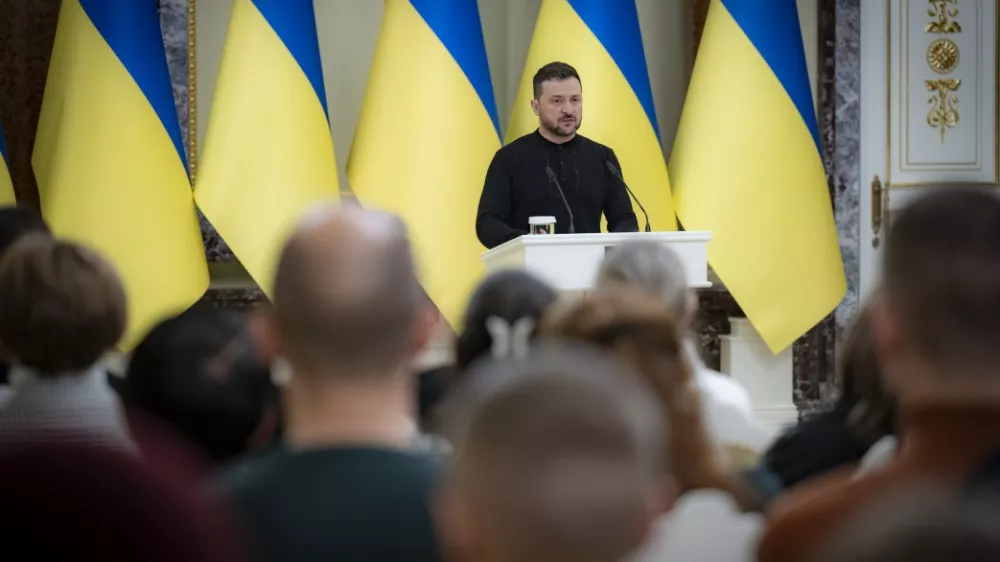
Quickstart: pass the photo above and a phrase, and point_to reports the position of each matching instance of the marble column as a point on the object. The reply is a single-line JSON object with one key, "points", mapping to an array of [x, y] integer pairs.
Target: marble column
{"points": [[176, 29], [27, 31], [846, 113]]}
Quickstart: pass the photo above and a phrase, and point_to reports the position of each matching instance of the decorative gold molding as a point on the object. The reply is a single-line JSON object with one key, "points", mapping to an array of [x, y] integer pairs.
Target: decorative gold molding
{"points": [[943, 12], [943, 114], [943, 56], [192, 89]]}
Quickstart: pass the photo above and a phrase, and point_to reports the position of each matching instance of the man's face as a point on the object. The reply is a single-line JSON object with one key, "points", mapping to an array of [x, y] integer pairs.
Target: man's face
{"points": [[560, 106]]}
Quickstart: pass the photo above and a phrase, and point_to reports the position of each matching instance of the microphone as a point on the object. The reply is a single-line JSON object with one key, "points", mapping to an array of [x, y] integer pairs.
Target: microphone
{"points": [[552, 178], [617, 173]]}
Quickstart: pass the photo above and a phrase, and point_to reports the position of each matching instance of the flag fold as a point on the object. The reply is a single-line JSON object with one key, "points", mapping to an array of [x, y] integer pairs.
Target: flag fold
{"points": [[427, 132], [6, 185], [746, 165], [268, 151], [109, 158]]}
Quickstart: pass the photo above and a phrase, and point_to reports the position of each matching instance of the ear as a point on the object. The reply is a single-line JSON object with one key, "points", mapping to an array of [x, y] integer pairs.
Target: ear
{"points": [[428, 322], [692, 308], [888, 337], [534, 106], [264, 331]]}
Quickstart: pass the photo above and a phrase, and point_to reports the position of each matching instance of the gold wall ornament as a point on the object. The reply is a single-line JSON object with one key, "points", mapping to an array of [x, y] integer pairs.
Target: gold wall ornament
{"points": [[942, 56], [943, 114], [944, 13]]}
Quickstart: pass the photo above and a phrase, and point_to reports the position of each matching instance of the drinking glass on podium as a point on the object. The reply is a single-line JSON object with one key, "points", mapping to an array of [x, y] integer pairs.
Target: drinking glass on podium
{"points": [[542, 225]]}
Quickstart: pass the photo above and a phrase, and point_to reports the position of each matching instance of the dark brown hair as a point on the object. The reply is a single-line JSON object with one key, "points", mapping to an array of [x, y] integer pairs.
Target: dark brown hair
{"points": [[552, 71], [942, 278], [61, 305]]}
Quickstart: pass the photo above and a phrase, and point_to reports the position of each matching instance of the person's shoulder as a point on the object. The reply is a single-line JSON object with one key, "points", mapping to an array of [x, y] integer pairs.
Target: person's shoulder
{"points": [[591, 144], [518, 144], [724, 389], [806, 516], [248, 472]]}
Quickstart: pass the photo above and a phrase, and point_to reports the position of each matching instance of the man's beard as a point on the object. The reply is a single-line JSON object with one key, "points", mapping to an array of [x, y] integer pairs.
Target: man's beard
{"points": [[555, 128]]}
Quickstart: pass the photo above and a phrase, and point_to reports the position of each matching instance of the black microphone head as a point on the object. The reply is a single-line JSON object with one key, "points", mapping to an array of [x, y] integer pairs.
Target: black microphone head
{"points": [[550, 172], [613, 168]]}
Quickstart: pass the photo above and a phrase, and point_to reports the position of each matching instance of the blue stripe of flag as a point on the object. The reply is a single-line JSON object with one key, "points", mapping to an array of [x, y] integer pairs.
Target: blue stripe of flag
{"points": [[456, 24], [777, 36], [132, 29], [294, 21], [615, 23]]}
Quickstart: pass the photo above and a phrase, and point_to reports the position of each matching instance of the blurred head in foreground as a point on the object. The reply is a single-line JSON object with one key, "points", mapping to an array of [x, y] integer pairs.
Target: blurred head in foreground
{"points": [[937, 325], [502, 316], [923, 526], [66, 501], [637, 327], [655, 269], [350, 317], [198, 373], [559, 457], [62, 306]]}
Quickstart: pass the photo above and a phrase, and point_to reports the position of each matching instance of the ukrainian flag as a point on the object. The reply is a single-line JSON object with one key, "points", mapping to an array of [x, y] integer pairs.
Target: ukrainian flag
{"points": [[268, 150], [422, 151], [109, 159], [6, 185], [602, 40], [746, 165]]}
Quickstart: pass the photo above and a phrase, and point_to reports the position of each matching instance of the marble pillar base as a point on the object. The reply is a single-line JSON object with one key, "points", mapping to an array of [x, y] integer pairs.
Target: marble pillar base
{"points": [[766, 377]]}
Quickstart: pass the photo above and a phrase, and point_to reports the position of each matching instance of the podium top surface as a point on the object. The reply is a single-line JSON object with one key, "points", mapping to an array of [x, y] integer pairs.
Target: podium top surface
{"points": [[598, 238]]}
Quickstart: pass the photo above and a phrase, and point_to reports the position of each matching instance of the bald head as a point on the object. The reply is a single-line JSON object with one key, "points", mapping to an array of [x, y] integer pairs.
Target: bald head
{"points": [[346, 294]]}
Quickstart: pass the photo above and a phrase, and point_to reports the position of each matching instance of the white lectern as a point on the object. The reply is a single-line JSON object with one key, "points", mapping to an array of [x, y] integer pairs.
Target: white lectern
{"points": [[570, 261]]}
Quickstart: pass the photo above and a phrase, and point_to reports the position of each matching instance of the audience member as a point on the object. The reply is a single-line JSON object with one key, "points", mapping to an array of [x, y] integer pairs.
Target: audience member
{"points": [[349, 316], [199, 375], [502, 316], [15, 222], [70, 501], [62, 307], [864, 414], [559, 457], [936, 333], [656, 269], [641, 329], [919, 526]]}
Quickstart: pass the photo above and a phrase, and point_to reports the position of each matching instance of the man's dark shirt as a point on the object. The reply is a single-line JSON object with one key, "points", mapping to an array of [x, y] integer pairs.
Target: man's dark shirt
{"points": [[517, 187], [340, 503]]}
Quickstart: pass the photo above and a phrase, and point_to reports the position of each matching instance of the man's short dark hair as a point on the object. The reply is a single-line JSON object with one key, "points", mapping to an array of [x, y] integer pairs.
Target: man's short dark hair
{"points": [[62, 306], [17, 221], [942, 277], [561, 451], [199, 373], [552, 71]]}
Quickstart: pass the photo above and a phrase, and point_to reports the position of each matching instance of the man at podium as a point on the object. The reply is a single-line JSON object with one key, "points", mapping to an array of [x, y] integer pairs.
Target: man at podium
{"points": [[553, 171]]}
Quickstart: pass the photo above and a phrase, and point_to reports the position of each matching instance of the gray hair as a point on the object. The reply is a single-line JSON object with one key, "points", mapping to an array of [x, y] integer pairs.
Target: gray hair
{"points": [[650, 267]]}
